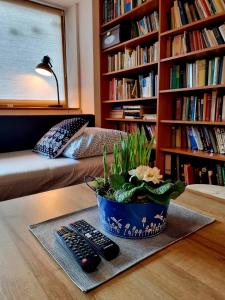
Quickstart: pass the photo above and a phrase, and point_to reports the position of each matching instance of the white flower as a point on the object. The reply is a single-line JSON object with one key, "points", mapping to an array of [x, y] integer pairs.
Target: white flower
{"points": [[153, 175], [147, 174], [139, 172]]}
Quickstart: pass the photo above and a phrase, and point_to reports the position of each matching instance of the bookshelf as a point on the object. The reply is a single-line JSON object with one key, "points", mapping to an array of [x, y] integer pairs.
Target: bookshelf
{"points": [[127, 120], [166, 96]]}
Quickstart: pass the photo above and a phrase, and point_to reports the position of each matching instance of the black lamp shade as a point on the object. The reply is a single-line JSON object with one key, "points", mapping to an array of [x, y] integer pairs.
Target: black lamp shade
{"points": [[45, 67]]}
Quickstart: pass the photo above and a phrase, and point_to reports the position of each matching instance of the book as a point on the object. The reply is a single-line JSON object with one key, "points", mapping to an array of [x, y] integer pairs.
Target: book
{"points": [[223, 109], [222, 30], [192, 141], [178, 108], [178, 137], [213, 106], [168, 164], [188, 174], [182, 12], [208, 107]]}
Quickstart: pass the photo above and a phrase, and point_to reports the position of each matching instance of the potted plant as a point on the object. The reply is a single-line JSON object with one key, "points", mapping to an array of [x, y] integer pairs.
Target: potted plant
{"points": [[132, 197]]}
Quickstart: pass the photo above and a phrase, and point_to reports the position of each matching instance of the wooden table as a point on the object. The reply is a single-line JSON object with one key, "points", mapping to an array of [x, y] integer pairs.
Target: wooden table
{"points": [[193, 268]]}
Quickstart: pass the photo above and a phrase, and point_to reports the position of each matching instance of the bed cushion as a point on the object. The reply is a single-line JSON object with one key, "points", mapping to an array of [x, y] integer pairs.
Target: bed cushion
{"points": [[91, 141], [25, 172], [59, 136]]}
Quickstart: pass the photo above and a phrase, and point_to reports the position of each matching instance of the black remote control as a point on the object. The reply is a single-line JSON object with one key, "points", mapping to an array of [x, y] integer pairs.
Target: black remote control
{"points": [[72, 242], [101, 243]]}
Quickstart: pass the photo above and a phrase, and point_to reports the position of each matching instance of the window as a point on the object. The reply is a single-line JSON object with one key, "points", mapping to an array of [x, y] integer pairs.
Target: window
{"points": [[28, 32]]}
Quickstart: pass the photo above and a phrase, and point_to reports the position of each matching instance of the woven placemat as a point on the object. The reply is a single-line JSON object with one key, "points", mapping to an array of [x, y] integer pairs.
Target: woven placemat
{"points": [[180, 223]]}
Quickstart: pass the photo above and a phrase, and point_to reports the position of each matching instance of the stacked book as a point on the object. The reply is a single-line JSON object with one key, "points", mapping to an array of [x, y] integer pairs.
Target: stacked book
{"points": [[209, 107], [195, 40], [185, 12], [199, 73], [145, 25], [133, 111], [115, 8], [209, 139], [138, 111], [133, 57], [194, 172], [116, 112]]}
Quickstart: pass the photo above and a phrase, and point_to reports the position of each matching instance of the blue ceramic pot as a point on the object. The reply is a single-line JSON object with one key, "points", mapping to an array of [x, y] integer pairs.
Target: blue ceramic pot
{"points": [[132, 220]]}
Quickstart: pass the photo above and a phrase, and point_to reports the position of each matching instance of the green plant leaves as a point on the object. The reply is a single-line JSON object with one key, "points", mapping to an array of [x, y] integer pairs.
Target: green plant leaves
{"points": [[132, 151], [162, 189], [179, 188], [125, 195], [162, 194], [116, 181]]}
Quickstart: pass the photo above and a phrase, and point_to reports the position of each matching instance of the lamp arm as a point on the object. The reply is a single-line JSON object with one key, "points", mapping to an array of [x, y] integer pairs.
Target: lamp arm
{"points": [[57, 85]]}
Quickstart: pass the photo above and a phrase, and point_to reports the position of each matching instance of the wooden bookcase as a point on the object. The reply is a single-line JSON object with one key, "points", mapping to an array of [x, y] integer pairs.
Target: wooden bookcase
{"points": [[165, 96]]}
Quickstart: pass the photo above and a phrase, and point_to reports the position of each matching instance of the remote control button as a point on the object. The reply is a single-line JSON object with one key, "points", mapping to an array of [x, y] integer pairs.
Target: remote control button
{"points": [[102, 244], [84, 261]]}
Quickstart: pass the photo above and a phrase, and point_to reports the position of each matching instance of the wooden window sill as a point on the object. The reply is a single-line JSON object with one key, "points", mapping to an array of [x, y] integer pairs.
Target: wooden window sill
{"points": [[36, 108]]}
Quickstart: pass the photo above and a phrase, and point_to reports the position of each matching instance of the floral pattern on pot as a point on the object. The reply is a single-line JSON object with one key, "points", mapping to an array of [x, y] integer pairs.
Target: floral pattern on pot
{"points": [[134, 220]]}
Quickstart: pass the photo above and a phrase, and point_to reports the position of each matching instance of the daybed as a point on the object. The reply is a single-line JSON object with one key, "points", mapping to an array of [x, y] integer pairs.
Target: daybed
{"points": [[23, 172]]}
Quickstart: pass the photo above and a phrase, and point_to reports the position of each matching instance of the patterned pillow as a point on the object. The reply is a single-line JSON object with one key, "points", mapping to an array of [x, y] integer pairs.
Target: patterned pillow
{"points": [[91, 141], [59, 136]]}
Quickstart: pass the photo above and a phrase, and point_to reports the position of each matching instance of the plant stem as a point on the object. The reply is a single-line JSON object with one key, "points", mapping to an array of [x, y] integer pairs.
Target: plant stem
{"points": [[105, 169]]}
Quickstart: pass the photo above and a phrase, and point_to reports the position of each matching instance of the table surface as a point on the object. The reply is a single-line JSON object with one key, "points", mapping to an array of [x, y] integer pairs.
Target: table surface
{"points": [[193, 268]]}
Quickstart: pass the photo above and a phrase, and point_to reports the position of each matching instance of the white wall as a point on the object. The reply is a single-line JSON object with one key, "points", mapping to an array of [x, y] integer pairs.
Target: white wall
{"points": [[86, 56], [72, 56]]}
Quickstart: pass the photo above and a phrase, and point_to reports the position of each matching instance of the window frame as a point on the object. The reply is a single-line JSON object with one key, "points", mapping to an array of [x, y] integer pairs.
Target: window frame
{"points": [[12, 103]]}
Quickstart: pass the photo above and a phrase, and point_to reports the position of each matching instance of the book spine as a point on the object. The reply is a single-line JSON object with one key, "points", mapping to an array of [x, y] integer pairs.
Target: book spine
{"points": [[178, 109], [208, 107], [192, 140], [212, 6], [218, 36], [183, 15], [219, 174], [223, 109]]}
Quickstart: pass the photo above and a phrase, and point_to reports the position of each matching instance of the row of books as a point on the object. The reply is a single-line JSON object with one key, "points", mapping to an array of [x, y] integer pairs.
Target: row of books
{"points": [[195, 40], [133, 57], [209, 139], [121, 89], [185, 12], [199, 73], [134, 127], [128, 88], [203, 175], [145, 25], [146, 112], [194, 172], [210, 107], [115, 8]]}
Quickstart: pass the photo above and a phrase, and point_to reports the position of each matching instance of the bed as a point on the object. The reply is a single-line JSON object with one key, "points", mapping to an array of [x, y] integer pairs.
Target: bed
{"points": [[23, 172]]}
